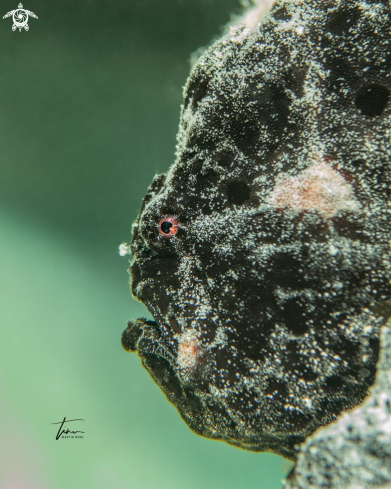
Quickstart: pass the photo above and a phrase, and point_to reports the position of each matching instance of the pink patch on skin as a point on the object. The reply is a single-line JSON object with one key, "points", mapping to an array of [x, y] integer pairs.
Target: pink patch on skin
{"points": [[189, 352], [318, 188]]}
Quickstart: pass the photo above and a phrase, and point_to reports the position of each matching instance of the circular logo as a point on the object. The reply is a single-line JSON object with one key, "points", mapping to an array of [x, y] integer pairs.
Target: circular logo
{"points": [[20, 18]]}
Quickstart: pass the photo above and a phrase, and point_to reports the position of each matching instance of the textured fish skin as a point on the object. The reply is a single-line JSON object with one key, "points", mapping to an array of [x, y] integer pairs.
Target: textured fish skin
{"points": [[269, 294]]}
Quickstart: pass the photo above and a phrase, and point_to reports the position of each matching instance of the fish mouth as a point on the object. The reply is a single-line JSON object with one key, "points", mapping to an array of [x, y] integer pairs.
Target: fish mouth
{"points": [[200, 410], [144, 337], [133, 332]]}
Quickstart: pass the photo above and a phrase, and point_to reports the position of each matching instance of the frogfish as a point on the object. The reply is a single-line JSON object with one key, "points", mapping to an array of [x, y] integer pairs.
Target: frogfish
{"points": [[263, 254]]}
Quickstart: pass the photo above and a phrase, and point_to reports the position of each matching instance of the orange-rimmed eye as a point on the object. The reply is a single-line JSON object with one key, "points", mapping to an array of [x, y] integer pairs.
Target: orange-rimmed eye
{"points": [[168, 226]]}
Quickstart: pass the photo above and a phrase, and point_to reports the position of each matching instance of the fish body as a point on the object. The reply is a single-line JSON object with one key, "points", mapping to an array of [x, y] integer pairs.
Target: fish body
{"points": [[264, 252]]}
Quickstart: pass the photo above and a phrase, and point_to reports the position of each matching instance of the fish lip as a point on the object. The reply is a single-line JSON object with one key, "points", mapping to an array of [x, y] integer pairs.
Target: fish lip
{"points": [[146, 338], [133, 332]]}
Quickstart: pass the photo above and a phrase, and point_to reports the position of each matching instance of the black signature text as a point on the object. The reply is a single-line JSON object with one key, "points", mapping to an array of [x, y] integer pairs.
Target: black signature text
{"points": [[65, 431]]}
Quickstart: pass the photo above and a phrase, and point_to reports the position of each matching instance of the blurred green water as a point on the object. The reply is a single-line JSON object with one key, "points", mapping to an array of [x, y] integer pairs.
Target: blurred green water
{"points": [[61, 319], [89, 103]]}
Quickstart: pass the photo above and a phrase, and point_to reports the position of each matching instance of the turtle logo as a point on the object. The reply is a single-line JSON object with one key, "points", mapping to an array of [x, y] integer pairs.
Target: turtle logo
{"points": [[20, 17]]}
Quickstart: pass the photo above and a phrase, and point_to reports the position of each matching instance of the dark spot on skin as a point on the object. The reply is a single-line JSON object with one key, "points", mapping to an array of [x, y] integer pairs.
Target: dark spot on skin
{"points": [[197, 167], [206, 210], [274, 102], [294, 317], [335, 382], [237, 192], [358, 164], [309, 375], [282, 14], [345, 347], [342, 20], [224, 160], [285, 271], [372, 99], [277, 388]]}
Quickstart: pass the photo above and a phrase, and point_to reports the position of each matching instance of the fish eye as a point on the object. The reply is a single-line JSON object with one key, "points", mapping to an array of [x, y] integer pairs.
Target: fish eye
{"points": [[165, 227], [168, 226]]}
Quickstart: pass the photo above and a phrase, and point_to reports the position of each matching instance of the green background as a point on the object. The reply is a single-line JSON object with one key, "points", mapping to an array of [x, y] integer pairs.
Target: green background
{"points": [[89, 108]]}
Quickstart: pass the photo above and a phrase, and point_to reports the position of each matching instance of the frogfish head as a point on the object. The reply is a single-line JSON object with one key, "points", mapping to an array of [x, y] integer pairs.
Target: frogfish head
{"points": [[263, 254]]}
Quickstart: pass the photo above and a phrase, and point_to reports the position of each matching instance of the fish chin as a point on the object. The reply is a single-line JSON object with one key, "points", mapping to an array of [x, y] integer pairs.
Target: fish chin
{"points": [[201, 411]]}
